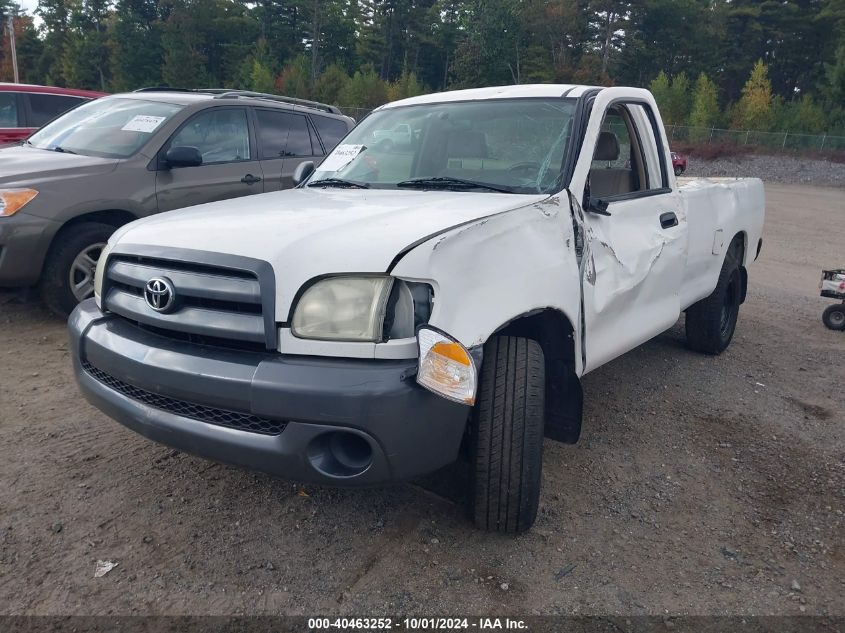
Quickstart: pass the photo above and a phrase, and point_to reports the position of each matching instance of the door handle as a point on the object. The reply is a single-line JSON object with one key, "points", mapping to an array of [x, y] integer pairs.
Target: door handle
{"points": [[249, 179], [668, 220]]}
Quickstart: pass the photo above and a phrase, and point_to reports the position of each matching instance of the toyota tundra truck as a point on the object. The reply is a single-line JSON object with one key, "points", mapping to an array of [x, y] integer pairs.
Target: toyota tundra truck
{"points": [[400, 309]]}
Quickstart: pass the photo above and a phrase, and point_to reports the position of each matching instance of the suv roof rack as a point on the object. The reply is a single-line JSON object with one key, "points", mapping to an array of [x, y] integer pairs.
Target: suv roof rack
{"points": [[229, 93], [163, 89], [235, 94]]}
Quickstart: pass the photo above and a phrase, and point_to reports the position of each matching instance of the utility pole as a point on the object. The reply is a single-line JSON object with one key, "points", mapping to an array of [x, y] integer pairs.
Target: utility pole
{"points": [[11, 25]]}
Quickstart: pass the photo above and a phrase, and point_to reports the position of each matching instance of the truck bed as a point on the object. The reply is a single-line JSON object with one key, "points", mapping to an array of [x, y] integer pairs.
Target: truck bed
{"points": [[718, 210]]}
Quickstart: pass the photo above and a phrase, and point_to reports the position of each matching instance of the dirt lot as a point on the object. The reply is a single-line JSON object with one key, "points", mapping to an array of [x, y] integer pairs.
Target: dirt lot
{"points": [[700, 486]]}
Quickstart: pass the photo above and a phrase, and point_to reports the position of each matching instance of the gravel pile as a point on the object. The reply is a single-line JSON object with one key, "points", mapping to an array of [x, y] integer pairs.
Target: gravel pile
{"points": [[785, 169]]}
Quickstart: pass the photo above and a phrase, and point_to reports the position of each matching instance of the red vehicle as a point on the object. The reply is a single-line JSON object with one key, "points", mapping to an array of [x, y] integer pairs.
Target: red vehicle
{"points": [[679, 163], [25, 108]]}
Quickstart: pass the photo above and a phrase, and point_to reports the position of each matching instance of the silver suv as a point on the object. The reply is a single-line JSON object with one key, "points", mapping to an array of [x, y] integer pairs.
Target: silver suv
{"points": [[113, 160]]}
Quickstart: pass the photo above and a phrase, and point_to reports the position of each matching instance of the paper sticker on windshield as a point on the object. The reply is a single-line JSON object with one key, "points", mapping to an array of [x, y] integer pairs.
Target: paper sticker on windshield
{"points": [[143, 123], [341, 157]]}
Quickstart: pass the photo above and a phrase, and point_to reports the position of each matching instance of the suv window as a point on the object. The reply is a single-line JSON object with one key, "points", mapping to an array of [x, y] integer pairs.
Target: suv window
{"points": [[44, 108], [284, 134], [331, 130], [8, 109], [220, 134]]}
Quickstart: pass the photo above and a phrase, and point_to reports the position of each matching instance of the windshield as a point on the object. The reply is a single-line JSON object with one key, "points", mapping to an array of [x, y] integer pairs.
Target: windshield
{"points": [[108, 128], [512, 145]]}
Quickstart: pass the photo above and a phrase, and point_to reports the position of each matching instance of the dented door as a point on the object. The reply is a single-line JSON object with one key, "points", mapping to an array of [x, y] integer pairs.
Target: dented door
{"points": [[632, 225]]}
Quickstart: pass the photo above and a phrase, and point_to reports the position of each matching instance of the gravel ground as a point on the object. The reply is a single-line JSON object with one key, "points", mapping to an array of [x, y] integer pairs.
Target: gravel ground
{"points": [[701, 485], [781, 169]]}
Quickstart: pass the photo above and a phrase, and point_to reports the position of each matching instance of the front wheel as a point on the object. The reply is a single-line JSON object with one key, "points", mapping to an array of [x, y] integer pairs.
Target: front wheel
{"points": [[711, 322], [679, 171], [68, 275], [507, 435], [834, 317]]}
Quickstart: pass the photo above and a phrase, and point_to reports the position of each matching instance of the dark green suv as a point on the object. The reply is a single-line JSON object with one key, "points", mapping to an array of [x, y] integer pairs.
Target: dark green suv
{"points": [[123, 157]]}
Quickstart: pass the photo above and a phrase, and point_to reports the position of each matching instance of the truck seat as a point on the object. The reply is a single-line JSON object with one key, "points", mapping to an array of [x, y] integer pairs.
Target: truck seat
{"points": [[609, 181]]}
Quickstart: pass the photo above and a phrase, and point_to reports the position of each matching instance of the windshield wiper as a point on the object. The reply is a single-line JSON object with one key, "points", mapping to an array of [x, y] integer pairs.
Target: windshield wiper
{"points": [[447, 182], [338, 182], [62, 150]]}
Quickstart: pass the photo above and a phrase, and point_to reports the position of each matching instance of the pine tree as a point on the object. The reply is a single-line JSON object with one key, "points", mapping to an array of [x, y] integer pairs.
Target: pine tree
{"points": [[85, 61], [137, 56], [754, 110], [678, 105], [705, 107], [55, 23], [705, 103], [660, 88]]}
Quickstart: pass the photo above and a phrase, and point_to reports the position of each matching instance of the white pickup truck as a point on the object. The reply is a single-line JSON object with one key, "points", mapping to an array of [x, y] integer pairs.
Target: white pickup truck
{"points": [[399, 309]]}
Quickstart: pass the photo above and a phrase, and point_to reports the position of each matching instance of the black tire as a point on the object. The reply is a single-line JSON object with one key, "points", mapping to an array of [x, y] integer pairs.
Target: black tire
{"points": [[711, 322], [56, 290], [679, 171], [507, 436], [834, 317]]}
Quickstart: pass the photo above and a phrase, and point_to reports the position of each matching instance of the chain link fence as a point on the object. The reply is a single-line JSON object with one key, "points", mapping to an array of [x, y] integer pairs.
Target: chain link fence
{"points": [[751, 138], [355, 113]]}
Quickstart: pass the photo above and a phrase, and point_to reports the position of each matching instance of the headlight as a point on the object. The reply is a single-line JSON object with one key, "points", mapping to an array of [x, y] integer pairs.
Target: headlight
{"points": [[446, 367], [13, 200], [343, 309], [98, 275]]}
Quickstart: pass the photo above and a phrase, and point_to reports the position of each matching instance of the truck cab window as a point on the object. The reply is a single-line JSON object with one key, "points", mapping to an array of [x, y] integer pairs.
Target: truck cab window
{"points": [[616, 164]]}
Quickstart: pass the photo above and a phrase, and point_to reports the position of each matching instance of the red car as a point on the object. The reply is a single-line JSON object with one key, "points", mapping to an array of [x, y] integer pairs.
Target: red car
{"points": [[25, 108], [679, 163]]}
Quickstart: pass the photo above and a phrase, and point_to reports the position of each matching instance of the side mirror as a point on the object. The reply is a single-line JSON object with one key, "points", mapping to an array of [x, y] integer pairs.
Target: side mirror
{"points": [[183, 156], [597, 206], [302, 171]]}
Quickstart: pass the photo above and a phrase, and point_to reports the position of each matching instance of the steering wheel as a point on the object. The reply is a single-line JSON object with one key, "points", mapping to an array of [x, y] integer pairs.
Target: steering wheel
{"points": [[526, 168]]}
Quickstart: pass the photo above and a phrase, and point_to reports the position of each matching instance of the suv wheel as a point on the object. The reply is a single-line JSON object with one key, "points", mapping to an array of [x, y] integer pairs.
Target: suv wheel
{"points": [[68, 276], [507, 435]]}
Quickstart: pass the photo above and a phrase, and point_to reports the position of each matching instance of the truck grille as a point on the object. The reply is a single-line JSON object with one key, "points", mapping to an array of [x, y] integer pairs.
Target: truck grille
{"points": [[210, 415], [211, 304]]}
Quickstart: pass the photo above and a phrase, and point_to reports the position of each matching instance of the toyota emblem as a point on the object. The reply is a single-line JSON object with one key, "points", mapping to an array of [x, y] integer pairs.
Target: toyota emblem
{"points": [[159, 294]]}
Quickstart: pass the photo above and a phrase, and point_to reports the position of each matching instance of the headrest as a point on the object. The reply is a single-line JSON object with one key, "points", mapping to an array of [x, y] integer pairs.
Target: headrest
{"points": [[607, 147], [467, 144]]}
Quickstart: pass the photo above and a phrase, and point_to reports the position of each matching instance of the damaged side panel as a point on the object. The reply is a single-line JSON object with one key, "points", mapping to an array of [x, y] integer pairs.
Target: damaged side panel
{"points": [[632, 277], [498, 269]]}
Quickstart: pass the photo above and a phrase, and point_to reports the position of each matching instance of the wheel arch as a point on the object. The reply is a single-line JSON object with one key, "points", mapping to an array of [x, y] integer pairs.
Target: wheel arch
{"points": [[739, 247], [555, 333], [113, 217]]}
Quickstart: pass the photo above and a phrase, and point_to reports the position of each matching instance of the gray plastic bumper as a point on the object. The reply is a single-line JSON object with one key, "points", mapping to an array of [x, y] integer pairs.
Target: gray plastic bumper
{"points": [[409, 430]]}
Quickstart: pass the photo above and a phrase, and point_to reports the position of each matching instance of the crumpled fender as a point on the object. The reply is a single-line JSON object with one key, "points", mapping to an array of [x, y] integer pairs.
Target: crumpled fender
{"points": [[491, 271]]}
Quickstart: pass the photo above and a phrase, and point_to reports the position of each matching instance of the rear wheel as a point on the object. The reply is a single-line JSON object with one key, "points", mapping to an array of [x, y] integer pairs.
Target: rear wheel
{"points": [[834, 317], [711, 322], [68, 275], [507, 435]]}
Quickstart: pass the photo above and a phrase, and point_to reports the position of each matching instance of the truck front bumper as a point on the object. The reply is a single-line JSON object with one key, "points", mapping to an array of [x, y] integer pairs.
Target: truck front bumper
{"points": [[315, 419]]}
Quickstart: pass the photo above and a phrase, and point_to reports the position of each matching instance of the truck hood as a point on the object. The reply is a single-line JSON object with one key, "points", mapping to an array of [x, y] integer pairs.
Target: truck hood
{"points": [[29, 166], [304, 233]]}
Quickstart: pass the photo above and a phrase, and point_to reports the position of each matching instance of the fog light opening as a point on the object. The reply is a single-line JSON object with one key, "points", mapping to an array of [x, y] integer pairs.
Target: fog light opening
{"points": [[340, 454]]}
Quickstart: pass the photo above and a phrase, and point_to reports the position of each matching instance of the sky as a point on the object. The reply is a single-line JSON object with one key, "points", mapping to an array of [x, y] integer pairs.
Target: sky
{"points": [[28, 5]]}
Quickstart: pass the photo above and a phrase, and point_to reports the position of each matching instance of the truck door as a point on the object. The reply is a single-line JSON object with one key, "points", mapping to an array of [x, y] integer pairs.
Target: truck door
{"points": [[633, 227], [229, 168]]}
